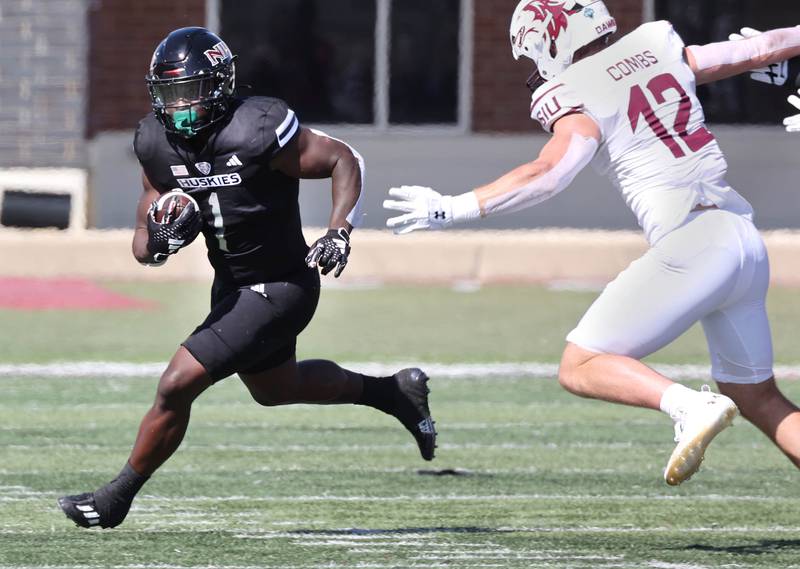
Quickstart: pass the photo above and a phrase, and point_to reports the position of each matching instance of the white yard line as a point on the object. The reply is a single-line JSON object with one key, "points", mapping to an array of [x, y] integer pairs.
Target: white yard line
{"points": [[340, 448], [146, 500], [492, 370]]}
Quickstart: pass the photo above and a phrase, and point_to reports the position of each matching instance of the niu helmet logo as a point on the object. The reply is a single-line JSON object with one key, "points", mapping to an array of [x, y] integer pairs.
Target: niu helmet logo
{"points": [[218, 53], [553, 14]]}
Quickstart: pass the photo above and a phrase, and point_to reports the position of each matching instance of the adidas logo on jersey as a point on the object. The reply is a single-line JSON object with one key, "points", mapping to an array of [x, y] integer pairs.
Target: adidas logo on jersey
{"points": [[233, 161]]}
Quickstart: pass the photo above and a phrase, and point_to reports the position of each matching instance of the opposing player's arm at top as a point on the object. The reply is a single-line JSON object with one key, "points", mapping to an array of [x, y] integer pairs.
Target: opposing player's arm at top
{"points": [[312, 154], [715, 61], [576, 138]]}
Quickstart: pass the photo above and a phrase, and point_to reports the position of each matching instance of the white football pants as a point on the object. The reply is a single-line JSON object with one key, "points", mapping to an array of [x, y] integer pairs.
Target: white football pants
{"points": [[714, 268]]}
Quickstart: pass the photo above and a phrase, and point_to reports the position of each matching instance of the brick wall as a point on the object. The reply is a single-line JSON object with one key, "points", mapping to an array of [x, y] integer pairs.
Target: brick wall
{"points": [[42, 47], [500, 97], [123, 36]]}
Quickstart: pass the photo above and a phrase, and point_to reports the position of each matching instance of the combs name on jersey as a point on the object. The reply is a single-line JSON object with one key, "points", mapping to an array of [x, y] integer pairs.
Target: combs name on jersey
{"points": [[218, 181]]}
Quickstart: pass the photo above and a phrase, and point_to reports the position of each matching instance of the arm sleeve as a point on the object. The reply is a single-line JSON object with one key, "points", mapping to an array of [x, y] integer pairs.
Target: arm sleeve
{"points": [[579, 153], [757, 48]]}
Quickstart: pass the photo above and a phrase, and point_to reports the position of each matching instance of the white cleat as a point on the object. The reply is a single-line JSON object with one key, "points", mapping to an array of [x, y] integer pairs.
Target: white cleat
{"points": [[695, 428]]}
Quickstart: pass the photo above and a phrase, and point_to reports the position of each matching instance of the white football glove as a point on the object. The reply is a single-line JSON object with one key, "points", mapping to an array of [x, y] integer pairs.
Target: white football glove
{"points": [[792, 123], [424, 208], [775, 74]]}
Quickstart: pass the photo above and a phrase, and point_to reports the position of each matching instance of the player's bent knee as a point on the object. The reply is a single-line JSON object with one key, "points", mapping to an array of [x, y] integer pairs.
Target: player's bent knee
{"points": [[176, 389], [569, 377], [569, 372], [570, 380]]}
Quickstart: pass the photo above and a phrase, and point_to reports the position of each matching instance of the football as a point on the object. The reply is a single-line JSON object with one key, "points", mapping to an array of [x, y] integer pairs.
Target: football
{"points": [[170, 205]]}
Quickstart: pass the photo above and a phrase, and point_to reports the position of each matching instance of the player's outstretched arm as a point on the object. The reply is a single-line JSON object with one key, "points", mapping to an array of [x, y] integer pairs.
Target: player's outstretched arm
{"points": [[575, 141], [774, 74], [715, 61], [313, 155]]}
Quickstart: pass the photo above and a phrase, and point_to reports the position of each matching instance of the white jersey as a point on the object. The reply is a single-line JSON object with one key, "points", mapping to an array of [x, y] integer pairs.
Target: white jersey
{"points": [[655, 147]]}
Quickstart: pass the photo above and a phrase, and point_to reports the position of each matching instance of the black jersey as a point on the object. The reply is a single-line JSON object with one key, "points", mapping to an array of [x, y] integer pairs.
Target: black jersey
{"points": [[251, 217]]}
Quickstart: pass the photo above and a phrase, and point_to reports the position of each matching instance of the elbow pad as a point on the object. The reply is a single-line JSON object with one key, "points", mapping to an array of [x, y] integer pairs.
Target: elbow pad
{"points": [[579, 153]]}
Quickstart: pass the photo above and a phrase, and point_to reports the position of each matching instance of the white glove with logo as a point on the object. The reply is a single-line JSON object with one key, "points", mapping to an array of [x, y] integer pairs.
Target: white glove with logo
{"points": [[775, 74], [792, 123], [424, 208]]}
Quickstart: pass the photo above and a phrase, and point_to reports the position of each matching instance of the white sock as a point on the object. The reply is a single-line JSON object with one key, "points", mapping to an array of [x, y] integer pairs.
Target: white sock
{"points": [[675, 397]]}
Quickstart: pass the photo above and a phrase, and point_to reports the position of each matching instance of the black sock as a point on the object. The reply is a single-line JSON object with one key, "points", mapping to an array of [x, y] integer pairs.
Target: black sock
{"points": [[128, 482], [113, 500], [379, 392]]}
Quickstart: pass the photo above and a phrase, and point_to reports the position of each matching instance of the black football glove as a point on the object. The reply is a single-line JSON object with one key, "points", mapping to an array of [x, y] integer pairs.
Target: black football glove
{"points": [[164, 239], [330, 251]]}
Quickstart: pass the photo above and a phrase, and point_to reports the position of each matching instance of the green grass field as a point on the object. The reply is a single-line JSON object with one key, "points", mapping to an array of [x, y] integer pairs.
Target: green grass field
{"points": [[547, 479]]}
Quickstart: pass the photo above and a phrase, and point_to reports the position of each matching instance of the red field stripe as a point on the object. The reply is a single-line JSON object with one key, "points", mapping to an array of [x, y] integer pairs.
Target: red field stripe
{"points": [[63, 294]]}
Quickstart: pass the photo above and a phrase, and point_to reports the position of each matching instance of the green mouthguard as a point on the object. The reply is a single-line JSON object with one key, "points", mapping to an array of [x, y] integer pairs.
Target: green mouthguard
{"points": [[183, 121]]}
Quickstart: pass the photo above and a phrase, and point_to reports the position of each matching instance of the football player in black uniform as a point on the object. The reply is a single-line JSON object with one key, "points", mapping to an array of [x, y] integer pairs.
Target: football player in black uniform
{"points": [[241, 159]]}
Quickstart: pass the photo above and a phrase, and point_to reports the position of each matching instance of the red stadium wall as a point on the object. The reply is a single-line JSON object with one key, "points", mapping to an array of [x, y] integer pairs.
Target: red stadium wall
{"points": [[500, 98], [123, 35]]}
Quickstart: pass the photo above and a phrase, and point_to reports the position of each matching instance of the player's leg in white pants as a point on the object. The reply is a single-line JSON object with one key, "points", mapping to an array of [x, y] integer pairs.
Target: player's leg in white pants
{"points": [[688, 274], [741, 355], [709, 264]]}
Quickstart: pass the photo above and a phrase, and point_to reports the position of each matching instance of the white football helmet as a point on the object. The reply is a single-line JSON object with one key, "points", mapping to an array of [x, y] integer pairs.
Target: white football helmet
{"points": [[550, 31]]}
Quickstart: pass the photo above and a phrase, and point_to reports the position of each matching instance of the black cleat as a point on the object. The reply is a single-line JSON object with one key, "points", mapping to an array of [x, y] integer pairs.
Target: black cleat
{"points": [[412, 409], [83, 510]]}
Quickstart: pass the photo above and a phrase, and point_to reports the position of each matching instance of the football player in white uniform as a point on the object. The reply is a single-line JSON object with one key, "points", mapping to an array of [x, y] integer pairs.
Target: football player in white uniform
{"points": [[630, 107]]}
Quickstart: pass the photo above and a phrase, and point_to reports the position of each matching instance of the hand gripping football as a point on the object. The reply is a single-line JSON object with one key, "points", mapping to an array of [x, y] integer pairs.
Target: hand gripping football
{"points": [[170, 205]]}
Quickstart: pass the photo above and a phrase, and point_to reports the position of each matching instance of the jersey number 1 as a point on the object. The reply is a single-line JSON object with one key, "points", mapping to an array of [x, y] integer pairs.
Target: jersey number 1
{"points": [[640, 106], [216, 211]]}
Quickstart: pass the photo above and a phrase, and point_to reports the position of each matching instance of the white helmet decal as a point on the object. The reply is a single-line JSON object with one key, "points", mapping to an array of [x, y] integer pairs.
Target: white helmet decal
{"points": [[550, 31]]}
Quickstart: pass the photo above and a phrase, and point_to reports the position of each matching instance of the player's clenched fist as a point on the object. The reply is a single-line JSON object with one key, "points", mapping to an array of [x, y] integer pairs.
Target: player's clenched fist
{"points": [[330, 251]]}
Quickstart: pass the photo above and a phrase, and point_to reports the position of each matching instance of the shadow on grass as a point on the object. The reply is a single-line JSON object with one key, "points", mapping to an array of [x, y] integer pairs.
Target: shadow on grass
{"points": [[759, 548]]}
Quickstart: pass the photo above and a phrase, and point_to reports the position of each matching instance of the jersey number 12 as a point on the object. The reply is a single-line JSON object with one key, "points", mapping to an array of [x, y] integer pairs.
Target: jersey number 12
{"points": [[640, 106]]}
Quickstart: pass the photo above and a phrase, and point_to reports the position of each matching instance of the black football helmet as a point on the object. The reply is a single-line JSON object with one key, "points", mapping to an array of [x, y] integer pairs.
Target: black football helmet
{"points": [[191, 80]]}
